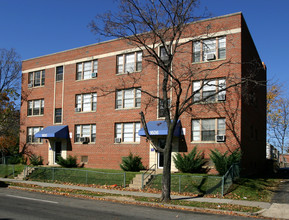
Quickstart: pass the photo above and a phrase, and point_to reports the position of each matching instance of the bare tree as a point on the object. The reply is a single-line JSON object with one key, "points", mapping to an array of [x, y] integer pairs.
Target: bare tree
{"points": [[10, 76], [277, 117], [158, 27]]}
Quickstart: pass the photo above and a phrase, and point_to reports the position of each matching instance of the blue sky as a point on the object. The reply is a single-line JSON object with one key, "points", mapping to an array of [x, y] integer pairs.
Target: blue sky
{"points": [[39, 27]]}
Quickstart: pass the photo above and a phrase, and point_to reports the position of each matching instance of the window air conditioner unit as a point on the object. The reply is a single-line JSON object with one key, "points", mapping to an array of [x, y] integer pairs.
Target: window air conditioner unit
{"points": [[220, 138], [94, 75], [211, 56], [117, 140], [77, 109], [221, 97], [30, 85], [84, 139]]}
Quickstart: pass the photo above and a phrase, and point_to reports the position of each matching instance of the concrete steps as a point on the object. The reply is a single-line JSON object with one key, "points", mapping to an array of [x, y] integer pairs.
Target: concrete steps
{"points": [[27, 171], [137, 181]]}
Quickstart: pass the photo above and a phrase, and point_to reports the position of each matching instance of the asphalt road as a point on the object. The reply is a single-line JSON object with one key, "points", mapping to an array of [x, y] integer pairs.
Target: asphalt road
{"points": [[18, 204]]}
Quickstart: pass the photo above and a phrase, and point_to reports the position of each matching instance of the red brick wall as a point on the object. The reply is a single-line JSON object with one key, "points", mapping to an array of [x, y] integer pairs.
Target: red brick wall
{"points": [[105, 153]]}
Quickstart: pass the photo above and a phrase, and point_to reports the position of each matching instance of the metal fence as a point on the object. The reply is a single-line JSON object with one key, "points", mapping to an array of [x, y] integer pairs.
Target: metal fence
{"points": [[179, 183], [78, 176]]}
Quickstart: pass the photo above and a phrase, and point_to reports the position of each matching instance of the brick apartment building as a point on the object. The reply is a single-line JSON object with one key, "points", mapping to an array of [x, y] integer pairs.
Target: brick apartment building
{"points": [[75, 103]]}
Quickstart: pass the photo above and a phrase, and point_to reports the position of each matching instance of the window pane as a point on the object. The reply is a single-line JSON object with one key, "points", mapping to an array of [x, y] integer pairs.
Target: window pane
{"points": [[120, 64], [197, 51], [222, 48], [137, 128], [129, 63], [93, 133], [87, 70], [77, 133], [208, 130], [30, 106], [209, 47], [36, 107], [196, 130], [59, 73], [78, 101], [94, 101], [95, 66], [128, 132], [118, 130], [43, 77], [86, 102], [42, 107], [222, 85], [37, 78], [129, 98], [209, 90], [139, 61], [85, 130], [79, 71], [196, 87]]}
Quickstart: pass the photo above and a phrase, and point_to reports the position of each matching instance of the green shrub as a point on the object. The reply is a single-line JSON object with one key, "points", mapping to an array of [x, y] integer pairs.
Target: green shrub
{"points": [[36, 160], [190, 163], [69, 162], [15, 159], [223, 162], [131, 163]]}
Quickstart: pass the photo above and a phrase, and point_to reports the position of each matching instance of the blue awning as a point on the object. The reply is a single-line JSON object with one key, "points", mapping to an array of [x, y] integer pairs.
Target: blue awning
{"points": [[160, 128], [59, 131]]}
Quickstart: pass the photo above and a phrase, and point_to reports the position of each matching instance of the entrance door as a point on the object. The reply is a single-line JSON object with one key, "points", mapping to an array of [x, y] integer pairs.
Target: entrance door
{"points": [[162, 144], [57, 151]]}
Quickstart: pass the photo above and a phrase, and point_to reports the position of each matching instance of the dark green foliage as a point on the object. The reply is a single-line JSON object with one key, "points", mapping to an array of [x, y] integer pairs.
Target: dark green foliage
{"points": [[132, 163], [36, 160], [15, 159], [69, 162], [190, 163], [224, 161]]}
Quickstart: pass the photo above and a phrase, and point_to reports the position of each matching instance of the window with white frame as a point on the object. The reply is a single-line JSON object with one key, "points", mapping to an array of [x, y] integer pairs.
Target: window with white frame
{"points": [[86, 70], [35, 107], [209, 90], [59, 73], [128, 98], [127, 132], [31, 131], [36, 78], [163, 53], [209, 49], [129, 63], [85, 131], [207, 129], [162, 107], [85, 102]]}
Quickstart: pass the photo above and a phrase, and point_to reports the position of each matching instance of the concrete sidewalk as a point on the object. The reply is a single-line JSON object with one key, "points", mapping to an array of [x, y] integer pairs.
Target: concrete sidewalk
{"points": [[274, 210]]}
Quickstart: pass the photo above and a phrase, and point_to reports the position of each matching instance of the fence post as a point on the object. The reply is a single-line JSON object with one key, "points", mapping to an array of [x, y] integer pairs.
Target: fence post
{"points": [[180, 183], [142, 180], [124, 179], [86, 177], [223, 183], [25, 171]]}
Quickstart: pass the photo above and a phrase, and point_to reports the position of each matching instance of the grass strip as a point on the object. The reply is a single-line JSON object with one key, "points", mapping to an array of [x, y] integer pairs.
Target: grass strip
{"points": [[100, 195]]}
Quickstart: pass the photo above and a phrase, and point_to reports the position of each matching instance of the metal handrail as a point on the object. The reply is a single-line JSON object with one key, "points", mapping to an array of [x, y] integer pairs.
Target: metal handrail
{"points": [[149, 172]]}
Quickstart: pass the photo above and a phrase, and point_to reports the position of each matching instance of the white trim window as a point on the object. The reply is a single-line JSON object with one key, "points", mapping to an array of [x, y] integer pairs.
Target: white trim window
{"points": [[36, 78], [209, 49], [129, 63], [31, 131], [35, 107], [209, 90], [86, 102], [59, 73], [127, 132], [86, 131], [128, 98], [207, 129], [86, 70]]}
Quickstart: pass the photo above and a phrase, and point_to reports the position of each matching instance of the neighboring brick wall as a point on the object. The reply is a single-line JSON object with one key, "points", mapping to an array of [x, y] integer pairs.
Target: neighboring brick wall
{"points": [[105, 153]]}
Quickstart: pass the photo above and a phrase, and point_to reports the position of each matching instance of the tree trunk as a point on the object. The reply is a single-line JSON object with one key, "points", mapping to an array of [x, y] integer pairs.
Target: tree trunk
{"points": [[166, 179]]}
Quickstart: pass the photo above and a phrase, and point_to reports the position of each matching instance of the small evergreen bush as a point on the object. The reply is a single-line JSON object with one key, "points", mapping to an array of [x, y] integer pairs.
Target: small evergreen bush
{"points": [[35, 160], [131, 163], [223, 162], [15, 159], [69, 162], [190, 163]]}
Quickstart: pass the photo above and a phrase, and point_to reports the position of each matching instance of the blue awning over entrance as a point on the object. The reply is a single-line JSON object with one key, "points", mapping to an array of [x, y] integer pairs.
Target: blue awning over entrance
{"points": [[160, 128], [58, 131]]}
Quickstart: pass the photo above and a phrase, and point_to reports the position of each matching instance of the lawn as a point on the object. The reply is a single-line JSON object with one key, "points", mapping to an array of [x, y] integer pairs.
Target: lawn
{"points": [[254, 189], [10, 171], [82, 176]]}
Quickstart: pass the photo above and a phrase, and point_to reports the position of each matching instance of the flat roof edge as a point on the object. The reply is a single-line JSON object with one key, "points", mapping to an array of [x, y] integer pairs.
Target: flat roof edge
{"points": [[107, 41]]}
